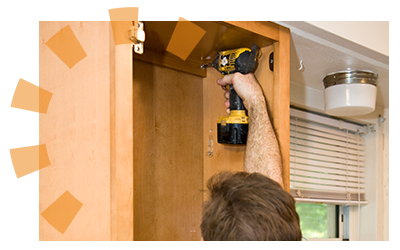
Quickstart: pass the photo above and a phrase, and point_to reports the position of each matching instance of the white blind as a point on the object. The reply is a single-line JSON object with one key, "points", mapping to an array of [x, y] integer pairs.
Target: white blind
{"points": [[327, 162]]}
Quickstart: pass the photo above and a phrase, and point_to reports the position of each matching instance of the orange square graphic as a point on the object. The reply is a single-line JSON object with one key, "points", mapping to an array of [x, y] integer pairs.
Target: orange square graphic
{"points": [[66, 46], [121, 21], [124, 14], [185, 38], [31, 97], [29, 159], [121, 32], [62, 211]]}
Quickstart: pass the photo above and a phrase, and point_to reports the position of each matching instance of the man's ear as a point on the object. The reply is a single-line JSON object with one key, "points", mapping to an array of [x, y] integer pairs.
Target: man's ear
{"points": [[202, 239]]}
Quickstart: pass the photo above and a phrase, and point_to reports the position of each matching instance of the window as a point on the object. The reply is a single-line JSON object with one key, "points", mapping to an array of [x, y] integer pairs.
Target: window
{"points": [[319, 220], [327, 171]]}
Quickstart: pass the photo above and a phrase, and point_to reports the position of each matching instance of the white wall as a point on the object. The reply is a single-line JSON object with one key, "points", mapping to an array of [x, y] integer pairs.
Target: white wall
{"points": [[371, 34], [374, 216], [383, 211]]}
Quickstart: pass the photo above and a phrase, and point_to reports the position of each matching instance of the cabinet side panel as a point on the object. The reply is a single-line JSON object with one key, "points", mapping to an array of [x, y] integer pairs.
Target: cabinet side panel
{"points": [[179, 161], [168, 153], [282, 83]]}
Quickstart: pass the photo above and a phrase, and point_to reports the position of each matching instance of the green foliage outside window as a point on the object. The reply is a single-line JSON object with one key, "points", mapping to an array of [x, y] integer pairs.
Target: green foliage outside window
{"points": [[317, 220]]}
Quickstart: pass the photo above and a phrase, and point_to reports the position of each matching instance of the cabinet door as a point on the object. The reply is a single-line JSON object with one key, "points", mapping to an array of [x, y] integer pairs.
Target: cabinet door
{"points": [[76, 130], [88, 133]]}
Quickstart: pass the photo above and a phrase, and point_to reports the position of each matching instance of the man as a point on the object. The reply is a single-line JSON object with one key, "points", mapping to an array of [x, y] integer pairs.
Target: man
{"points": [[251, 205]]}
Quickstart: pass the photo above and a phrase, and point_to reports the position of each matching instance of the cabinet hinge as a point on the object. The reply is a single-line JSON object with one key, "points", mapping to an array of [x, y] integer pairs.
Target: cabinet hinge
{"points": [[137, 36]]}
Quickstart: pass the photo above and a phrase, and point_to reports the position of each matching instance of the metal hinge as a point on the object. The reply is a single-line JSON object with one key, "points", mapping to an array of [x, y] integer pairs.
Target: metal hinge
{"points": [[137, 36]]}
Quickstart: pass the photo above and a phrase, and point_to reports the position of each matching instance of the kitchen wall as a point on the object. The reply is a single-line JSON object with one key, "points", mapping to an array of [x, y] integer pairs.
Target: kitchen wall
{"points": [[377, 37], [374, 216]]}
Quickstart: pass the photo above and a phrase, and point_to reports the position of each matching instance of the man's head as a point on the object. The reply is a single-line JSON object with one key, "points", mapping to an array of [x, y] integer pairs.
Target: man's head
{"points": [[248, 206]]}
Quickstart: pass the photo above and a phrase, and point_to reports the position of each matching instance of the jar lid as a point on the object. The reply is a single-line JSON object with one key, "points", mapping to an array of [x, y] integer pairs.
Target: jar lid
{"points": [[350, 76]]}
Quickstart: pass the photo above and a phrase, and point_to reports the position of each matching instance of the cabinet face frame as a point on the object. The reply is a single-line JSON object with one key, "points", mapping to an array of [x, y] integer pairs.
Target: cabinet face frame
{"points": [[119, 203]]}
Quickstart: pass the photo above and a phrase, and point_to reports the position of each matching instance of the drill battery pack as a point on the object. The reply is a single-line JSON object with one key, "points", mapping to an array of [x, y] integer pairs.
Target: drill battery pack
{"points": [[232, 133], [233, 129]]}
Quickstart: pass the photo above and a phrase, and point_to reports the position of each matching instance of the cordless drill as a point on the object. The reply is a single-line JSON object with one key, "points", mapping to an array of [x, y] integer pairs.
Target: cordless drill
{"points": [[233, 129]]}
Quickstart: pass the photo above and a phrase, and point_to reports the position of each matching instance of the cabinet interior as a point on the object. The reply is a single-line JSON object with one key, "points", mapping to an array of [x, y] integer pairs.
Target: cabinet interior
{"points": [[176, 105]]}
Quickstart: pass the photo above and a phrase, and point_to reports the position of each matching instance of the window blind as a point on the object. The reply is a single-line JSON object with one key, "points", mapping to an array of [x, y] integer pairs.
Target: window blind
{"points": [[327, 159]]}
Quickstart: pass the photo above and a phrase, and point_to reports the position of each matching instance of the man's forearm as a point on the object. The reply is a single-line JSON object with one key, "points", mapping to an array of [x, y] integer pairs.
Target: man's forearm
{"points": [[262, 150]]}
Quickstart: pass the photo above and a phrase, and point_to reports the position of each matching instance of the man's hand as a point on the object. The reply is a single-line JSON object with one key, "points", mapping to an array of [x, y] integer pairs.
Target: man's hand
{"points": [[262, 149], [246, 86]]}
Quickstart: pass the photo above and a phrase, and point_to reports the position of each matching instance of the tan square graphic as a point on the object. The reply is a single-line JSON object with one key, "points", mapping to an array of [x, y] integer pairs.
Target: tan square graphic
{"points": [[66, 46], [62, 211]]}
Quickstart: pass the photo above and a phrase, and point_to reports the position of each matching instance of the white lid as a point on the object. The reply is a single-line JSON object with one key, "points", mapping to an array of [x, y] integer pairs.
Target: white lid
{"points": [[350, 99]]}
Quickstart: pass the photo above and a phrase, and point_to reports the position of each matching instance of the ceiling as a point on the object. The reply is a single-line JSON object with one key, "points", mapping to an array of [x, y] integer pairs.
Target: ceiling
{"points": [[322, 53]]}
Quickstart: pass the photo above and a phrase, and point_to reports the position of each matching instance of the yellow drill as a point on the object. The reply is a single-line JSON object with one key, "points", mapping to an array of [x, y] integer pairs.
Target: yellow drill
{"points": [[233, 129]]}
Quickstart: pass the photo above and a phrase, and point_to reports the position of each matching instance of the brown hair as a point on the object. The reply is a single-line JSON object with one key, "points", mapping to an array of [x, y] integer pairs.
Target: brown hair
{"points": [[248, 206]]}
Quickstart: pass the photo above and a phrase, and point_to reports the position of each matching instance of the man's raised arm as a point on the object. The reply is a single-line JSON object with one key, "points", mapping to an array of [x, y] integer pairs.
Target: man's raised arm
{"points": [[262, 149]]}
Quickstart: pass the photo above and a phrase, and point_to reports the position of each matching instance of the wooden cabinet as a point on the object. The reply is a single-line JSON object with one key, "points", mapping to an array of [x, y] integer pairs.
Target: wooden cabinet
{"points": [[142, 132], [176, 106]]}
